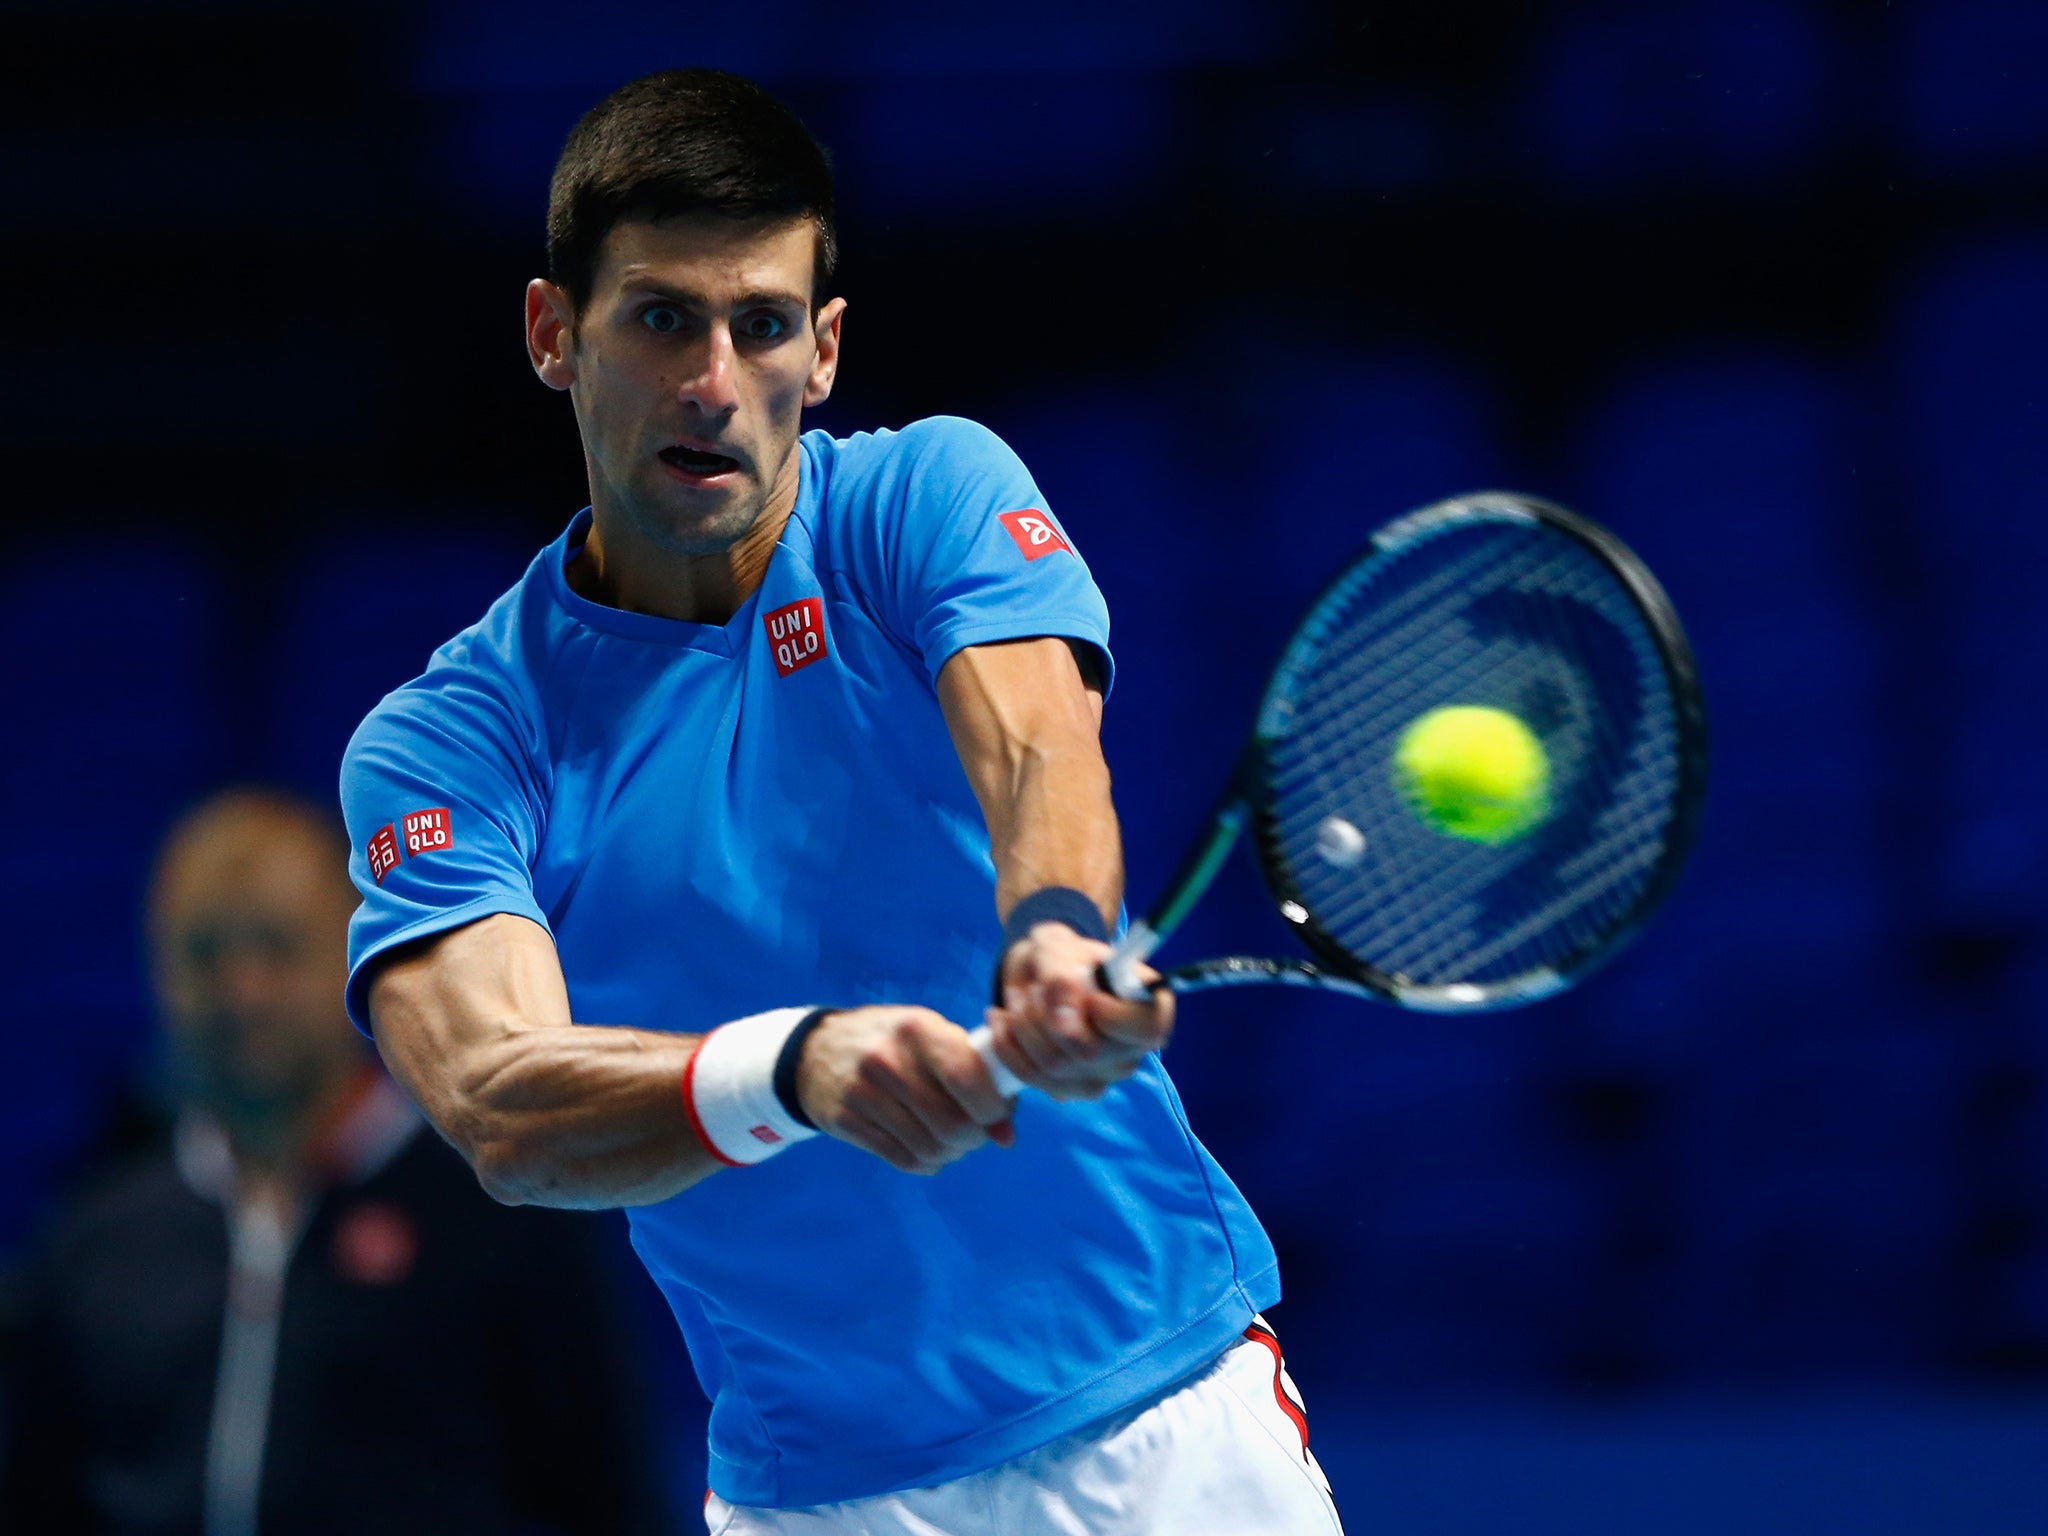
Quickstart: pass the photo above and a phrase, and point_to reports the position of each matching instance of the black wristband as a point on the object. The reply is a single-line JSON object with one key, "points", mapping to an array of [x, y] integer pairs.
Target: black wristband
{"points": [[1050, 904], [1055, 904], [786, 1062]]}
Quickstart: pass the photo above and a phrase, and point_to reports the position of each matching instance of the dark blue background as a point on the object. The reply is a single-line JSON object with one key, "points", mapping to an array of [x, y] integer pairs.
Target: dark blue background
{"points": [[1752, 1231]]}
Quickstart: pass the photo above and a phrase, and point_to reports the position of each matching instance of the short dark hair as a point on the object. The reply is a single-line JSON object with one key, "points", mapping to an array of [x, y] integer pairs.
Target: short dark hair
{"points": [[685, 141]]}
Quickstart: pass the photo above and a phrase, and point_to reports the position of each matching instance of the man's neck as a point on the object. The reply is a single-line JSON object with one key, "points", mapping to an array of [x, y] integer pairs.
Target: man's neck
{"points": [[287, 1147], [618, 568]]}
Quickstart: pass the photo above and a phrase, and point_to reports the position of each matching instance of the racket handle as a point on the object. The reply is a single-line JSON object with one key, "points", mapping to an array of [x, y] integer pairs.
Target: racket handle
{"points": [[1118, 973], [983, 1039]]}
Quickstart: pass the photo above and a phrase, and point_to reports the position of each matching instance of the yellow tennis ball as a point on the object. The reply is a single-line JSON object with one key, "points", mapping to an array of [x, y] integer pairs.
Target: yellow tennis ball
{"points": [[1473, 772]]}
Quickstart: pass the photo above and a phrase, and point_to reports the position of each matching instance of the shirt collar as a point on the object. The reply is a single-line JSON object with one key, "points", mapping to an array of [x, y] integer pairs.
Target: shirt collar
{"points": [[369, 1129]]}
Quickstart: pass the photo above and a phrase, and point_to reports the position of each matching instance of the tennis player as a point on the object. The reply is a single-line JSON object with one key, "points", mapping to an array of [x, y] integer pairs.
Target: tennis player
{"points": [[681, 869]]}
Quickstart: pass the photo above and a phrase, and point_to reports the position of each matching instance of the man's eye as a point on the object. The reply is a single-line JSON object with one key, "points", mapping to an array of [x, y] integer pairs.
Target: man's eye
{"points": [[764, 327], [662, 318]]}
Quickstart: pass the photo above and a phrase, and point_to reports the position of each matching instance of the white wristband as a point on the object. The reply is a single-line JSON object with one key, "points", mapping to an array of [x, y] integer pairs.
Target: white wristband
{"points": [[729, 1089]]}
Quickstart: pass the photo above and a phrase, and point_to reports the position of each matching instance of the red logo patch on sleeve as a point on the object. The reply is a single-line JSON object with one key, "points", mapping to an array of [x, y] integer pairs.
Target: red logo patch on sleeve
{"points": [[383, 852], [798, 634], [1034, 533], [427, 832]]}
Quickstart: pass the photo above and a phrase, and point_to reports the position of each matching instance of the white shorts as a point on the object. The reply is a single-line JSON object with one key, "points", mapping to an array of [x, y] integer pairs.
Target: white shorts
{"points": [[1221, 1452]]}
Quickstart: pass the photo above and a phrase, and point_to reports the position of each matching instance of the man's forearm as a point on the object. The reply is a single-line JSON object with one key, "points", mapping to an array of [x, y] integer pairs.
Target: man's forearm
{"points": [[580, 1117], [475, 1025], [1061, 829], [1027, 728]]}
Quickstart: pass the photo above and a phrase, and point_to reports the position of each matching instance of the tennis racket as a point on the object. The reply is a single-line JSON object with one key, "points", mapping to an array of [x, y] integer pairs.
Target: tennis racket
{"points": [[1491, 599]]}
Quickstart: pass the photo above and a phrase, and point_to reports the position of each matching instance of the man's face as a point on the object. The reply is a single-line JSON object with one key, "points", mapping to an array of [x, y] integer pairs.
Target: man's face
{"points": [[690, 366], [249, 930]]}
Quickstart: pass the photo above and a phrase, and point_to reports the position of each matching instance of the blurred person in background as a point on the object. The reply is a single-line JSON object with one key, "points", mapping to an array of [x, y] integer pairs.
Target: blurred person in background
{"points": [[300, 1313]]}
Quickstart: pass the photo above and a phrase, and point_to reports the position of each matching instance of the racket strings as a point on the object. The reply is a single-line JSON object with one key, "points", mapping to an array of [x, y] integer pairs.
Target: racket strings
{"points": [[1425, 917], [1440, 944], [1491, 611]]}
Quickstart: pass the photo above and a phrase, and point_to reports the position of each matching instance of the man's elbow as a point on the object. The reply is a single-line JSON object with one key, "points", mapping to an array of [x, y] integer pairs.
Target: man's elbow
{"points": [[511, 1158], [508, 1174], [504, 1155]]}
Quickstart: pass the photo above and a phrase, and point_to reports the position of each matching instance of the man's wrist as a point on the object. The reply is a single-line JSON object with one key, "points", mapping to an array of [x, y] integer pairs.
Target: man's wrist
{"points": [[732, 1082], [1055, 904], [1049, 904], [788, 1060]]}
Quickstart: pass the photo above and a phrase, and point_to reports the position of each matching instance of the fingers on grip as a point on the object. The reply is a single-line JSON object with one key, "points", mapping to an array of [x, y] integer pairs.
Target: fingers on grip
{"points": [[1139, 991]]}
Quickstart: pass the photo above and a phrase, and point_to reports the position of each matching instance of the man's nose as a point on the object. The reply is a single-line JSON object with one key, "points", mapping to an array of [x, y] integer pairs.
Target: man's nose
{"points": [[712, 388]]}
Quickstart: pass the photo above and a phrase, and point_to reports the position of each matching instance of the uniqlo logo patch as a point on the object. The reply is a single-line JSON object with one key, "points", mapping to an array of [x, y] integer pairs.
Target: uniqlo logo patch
{"points": [[763, 1133], [427, 832], [1034, 533], [797, 633], [383, 852]]}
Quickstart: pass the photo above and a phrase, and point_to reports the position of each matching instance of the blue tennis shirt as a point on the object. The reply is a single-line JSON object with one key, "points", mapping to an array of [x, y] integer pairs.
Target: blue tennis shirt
{"points": [[712, 820]]}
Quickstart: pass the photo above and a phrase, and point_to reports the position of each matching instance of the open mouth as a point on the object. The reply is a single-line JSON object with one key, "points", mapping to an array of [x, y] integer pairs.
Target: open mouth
{"points": [[697, 464]]}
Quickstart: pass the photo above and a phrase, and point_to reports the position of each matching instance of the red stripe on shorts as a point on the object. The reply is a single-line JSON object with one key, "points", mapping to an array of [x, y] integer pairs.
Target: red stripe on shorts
{"points": [[1287, 1404]]}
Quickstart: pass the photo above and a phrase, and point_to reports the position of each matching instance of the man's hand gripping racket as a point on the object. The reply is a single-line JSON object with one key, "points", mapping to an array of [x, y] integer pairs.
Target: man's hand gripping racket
{"points": [[1476, 769], [1076, 1035]]}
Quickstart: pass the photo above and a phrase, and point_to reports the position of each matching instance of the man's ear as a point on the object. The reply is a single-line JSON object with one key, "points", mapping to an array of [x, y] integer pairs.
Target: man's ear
{"points": [[550, 334], [823, 371]]}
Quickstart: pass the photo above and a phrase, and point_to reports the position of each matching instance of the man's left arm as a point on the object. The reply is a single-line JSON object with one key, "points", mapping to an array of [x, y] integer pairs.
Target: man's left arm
{"points": [[1026, 723]]}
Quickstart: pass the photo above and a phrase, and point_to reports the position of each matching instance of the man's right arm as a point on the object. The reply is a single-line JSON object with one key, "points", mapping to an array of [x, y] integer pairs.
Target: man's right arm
{"points": [[475, 1024]]}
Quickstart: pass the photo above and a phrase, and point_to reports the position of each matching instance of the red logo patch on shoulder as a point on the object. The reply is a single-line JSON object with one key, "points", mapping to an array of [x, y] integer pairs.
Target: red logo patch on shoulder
{"points": [[797, 632], [1034, 533], [382, 851], [427, 832]]}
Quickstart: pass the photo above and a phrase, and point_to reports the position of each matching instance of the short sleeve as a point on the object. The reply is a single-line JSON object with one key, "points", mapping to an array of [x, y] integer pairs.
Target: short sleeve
{"points": [[444, 821], [975, 554]]}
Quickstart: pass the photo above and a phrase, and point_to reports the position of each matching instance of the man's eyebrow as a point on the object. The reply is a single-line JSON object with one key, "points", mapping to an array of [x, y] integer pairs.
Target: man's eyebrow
{"points": [[771, 296], [660, 289], [751, 300]]}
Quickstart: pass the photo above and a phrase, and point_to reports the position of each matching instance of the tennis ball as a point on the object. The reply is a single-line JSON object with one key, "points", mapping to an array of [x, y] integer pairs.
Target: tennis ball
{"points": [[1473, 772]]}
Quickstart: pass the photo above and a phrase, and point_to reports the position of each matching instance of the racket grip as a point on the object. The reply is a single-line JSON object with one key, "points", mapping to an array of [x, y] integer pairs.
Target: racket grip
{"points": [[1118, 974], [983, 1039], [1140, 990]]}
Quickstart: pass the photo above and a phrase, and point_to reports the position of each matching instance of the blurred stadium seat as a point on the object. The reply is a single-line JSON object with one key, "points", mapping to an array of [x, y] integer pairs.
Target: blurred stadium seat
{"points": [[1732, 474], [930, 109], [1966, 370], [1819, 1186], [364, 611], [1456, 1243], [1973, 86], [120, 716], [1008, 145], [1473, 1283], [1802, 1158], [1622, 96], [1325, 451]]}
